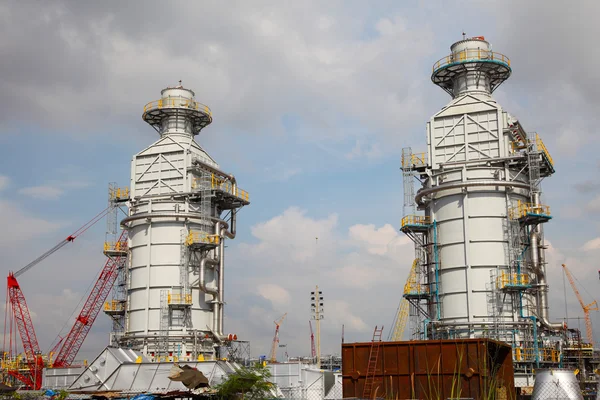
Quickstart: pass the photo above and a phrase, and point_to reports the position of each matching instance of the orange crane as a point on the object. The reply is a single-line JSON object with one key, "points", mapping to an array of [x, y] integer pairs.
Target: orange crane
{"points": [[273, 355], [593, 306]]}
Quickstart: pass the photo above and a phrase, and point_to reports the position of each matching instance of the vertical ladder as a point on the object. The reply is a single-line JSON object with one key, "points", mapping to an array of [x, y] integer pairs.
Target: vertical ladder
{"points": [[408, 181], [163, 343], [533, 158], [373, 357]]}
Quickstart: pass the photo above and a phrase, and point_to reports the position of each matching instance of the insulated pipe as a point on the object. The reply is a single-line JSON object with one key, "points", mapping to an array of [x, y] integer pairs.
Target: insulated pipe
{"points": [[202, 277], [458, 185], [215, 170], [542, 306], [222, 229]]}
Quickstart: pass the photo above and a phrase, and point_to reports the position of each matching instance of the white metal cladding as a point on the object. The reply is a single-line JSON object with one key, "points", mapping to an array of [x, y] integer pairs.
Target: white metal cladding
{"points": [[471, 233]]}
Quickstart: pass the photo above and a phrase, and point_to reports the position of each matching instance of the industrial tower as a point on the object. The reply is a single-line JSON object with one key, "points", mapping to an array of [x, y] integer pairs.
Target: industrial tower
{"points": [[480, 242], [182, 207]]}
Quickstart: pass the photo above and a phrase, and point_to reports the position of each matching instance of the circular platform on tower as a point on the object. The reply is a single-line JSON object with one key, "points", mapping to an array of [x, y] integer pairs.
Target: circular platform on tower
{"points": [[156, 111], [495, 65]]}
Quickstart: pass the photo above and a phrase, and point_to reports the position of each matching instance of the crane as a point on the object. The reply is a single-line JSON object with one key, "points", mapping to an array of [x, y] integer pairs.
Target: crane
{"points": [[593, 306], [410, 286], [84, 321], [22, 317], [273, 355], [313, 351]]}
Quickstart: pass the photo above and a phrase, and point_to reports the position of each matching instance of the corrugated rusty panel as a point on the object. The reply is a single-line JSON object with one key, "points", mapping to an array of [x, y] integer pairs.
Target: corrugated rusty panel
{"points": [[477, 368]]}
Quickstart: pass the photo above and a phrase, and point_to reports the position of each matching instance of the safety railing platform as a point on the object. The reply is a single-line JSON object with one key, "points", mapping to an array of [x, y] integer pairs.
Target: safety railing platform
{"points": [[542, 354], [530, 213], [118, 194], [471, 55], [513, 281], [115, 248], [114, 307], [199, 114], [415, 223], [179, 299], [202, 239], [414, 160]]}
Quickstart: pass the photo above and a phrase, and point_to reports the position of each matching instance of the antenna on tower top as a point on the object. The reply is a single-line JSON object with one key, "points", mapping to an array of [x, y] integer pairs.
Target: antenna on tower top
{"points": [[464, 37]]}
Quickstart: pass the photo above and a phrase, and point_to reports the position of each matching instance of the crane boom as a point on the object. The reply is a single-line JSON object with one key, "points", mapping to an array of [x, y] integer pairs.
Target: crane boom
{"points": [[24, 325], [273, 355], [84, 321], [593, 306]]}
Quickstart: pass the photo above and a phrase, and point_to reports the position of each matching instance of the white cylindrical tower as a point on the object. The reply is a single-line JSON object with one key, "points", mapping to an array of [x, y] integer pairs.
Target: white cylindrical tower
{"points": [[182, 207], [480, 241]]}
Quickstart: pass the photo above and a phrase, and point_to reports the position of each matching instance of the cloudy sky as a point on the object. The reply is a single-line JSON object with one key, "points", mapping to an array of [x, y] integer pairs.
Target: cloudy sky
{"points": [[312, 104]]}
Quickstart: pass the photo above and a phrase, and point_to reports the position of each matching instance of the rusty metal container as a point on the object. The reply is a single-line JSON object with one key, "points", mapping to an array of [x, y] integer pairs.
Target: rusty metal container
{"points": [[431, 369]]}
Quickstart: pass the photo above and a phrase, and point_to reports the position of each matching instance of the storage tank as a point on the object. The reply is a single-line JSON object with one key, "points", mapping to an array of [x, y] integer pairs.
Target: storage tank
{"points": [[182, 209]]}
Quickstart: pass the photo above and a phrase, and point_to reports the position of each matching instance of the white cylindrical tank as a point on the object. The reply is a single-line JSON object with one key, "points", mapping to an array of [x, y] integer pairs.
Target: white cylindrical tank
{"points": [[556, 384], [176, 234]]}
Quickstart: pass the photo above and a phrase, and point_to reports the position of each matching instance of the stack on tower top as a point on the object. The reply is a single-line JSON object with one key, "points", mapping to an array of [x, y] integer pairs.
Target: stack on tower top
{"points": [[177, 112], [471, 67]]}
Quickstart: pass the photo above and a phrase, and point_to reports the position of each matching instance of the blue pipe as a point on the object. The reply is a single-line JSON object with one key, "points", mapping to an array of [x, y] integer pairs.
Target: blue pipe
{"points": [[535, 341], [436, 262]]}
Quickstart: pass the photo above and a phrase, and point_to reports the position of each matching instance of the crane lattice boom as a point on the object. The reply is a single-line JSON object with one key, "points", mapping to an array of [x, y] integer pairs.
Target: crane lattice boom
{"points": [[403, 308], [593, 306], [313, 351], [273, 355]]}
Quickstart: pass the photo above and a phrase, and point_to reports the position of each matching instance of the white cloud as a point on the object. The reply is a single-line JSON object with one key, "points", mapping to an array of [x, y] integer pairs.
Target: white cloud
{"points": [[378, 241], [341, 314], [43, 192], [593, 244], [4, 181], [277, 295], [20, 225]]}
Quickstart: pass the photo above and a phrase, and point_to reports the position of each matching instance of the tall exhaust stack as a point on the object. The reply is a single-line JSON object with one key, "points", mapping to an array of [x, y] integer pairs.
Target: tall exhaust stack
{"points": [[182, 210], [479, 241]]}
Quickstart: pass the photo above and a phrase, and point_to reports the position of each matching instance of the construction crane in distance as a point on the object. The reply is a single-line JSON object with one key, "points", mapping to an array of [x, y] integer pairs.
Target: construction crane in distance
{"points": [[411, 285], [313, 351], [273, 355], [593, 306]]}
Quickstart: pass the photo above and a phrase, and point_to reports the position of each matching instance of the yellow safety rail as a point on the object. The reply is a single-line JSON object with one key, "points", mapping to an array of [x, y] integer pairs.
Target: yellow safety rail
{"points": [[412, 285], [115, 246], [541, 146], [523, 209], [471, 55], [416, 159], [177, 102], [415, 220], [178, 298], [114, 305], [512, 279], [202, 237], [118, 193], [545, 354], [226, 186]]}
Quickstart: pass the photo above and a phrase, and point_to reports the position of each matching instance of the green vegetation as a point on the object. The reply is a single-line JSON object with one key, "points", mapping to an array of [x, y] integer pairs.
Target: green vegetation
{"points": [[250, 383]]}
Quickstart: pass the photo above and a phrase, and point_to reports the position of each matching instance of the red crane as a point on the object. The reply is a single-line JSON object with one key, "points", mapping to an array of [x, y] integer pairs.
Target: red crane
{"points": [[22, 317], [313, 351], [84, 321], [273, 355]]}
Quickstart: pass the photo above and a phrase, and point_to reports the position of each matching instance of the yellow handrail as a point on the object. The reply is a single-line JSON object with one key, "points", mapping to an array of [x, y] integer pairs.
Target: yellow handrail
{"points": [[512, 279], [545, 354], [114, 305], [470, 55], [416, 220], [118, 193], [541, 146], [177, 102], [523, 209], [226, 186], [178, 298], [202, 237], [115, 246], [416, 159]]}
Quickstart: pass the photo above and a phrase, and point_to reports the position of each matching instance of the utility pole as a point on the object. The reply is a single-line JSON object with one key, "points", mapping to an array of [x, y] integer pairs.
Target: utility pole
{"points": [[316, 308]]}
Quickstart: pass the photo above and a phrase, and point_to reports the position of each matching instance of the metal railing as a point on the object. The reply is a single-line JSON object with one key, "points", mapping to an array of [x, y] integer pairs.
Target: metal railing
{"points": [[226, 186], [524, 209], [177, 102], [114, 305], [414, 159], [195, 237], [415, 220], [542, 147], [118, 193], [512, 279], [115, 246], [179, 298], [471, 55], [545, 354]]}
